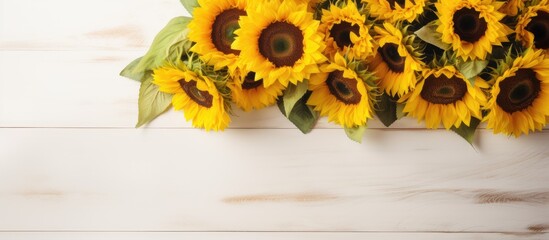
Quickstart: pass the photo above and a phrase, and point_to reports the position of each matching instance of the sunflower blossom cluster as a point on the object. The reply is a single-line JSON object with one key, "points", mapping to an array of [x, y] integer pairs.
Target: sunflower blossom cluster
{"points": [[451, 64]]}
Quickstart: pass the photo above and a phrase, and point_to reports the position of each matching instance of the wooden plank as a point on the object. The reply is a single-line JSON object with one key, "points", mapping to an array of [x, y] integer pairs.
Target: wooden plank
{"points": [[61, 72], [69, 25], [268, 236], [83, 89], [270, 180]]}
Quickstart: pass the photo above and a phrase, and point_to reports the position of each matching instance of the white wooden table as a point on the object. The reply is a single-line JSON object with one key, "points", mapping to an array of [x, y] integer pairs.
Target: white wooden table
{"points": [[73, 167]]}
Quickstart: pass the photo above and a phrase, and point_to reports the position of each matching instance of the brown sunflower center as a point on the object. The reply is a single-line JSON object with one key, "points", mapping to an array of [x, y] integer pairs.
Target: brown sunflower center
{"points": [[539, 26], [341, 33], [389, 54], [344, 89], [468, 25], [443, 90], [223, 30], [281, 43], [401, 3], [250, 82], [518, 92], [202, 98]]}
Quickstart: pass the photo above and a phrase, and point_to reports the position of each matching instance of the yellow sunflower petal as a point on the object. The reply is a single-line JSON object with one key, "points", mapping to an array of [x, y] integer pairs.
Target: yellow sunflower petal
{"points": [[196, 96], [346, 32], [212, 29], [249, 94], [532, 29], [519, 102], [341, 95], [472, 27], [384, 10], [284, 46], [394, 66], [445, 97]]}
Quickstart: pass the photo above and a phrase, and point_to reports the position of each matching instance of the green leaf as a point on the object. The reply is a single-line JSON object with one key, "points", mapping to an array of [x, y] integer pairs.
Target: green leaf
{"points": [[356, 134], [400, 110], [429, 34], [170, 39], [468, 132], [293, 94], [302, 116], [471, 69], [152, 102], [280, 104], [190, 5], [131, 73], [387, 110]]}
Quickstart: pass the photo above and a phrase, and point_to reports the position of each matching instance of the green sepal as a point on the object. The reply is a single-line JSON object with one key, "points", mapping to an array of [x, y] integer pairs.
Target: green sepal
{"points": [[386, 110], [429, 34], [130, 72], [190, 5], [302, 115], [293, 94], [471, 69], [468, 132], [168, 45], [356, 134], [152, 102]]}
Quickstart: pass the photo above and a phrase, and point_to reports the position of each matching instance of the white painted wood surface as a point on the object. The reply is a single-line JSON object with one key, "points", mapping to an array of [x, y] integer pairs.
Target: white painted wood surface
{"points": [[269, 236], [72, 166]]}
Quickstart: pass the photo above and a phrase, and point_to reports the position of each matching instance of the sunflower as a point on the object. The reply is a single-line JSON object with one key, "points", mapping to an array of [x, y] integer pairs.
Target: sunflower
{"points": [[445, 96], [345, 31], [396, 10], [212, 29], [313, 4], [196, 95], [512, 7], [341, 93], [520, 95], [395, 65], [533, 26], [471, 26], [279, 41], [250, 94]]}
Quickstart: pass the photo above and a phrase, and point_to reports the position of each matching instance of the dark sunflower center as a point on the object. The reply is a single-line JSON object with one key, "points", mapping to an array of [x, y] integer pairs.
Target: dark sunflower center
{"points": [[281, 43], [389, 54], [393, 3], [344, 89], [250, 82], [518, 92], [443, 90], [202, 98], [223, 30], [341, 33], [468, 25], [539, 26]]}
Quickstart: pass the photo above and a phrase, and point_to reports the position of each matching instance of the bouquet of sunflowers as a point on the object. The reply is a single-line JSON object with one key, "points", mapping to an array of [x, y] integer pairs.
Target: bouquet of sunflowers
{"points": [[449, 63]]}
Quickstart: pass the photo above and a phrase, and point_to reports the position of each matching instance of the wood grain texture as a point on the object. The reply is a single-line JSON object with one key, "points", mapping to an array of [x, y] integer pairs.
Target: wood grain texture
{"points": [[84, 25], [270, 180], [83, 89], [70, 161], [268, 236]]}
